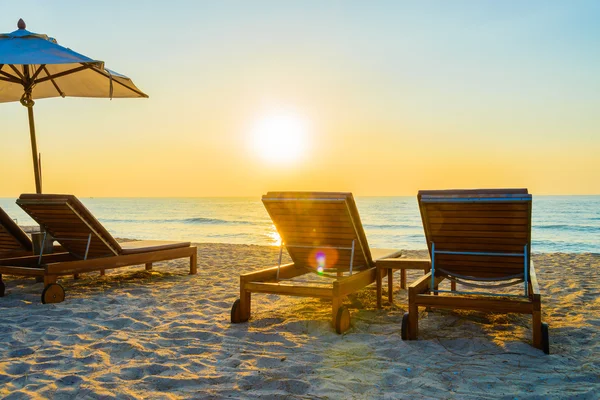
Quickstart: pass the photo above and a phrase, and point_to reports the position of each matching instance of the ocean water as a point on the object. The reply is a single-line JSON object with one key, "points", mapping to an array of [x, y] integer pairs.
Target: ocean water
{"points": [[560, 223]]}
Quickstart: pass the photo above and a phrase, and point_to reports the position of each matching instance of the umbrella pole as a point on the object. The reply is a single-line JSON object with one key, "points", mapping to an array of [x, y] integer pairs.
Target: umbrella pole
{"points": [[28, 103], [34, 151]]}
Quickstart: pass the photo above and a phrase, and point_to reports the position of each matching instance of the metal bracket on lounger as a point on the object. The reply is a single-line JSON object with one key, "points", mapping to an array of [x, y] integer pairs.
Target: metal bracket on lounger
{"points": [[456, 278], [280, 255], [42, 249], [352, 257], [318, 247], [87, 246]]}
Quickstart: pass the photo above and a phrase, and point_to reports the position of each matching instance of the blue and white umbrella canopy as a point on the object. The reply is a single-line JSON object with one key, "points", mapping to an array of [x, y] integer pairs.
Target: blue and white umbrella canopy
{"points": [[34, 66]]}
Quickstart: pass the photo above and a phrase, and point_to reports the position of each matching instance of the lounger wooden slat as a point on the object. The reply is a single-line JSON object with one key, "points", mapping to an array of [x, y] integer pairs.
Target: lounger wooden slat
{"points": [[12, 237], [14, 242], [318, 230], [89, 245], [504, 207], [481, 238], [436, 229], [481, 234], [433, 213]]}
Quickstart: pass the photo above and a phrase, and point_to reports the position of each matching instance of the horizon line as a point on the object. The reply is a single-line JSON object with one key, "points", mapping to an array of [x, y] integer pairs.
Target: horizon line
{"points": [[252, 196]]}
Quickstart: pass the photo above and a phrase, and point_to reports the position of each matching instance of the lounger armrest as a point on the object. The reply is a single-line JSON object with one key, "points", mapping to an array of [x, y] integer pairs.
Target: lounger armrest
{"points": [[354, 283], [535, 288], [423, 284], [32, 261], [286, 271], [404, 263]]}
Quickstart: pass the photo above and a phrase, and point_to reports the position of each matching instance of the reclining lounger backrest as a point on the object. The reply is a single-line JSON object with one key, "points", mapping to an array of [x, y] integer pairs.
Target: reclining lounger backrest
{"points": [[12, 237], [71, 224], [479, 235], [318, 229]]}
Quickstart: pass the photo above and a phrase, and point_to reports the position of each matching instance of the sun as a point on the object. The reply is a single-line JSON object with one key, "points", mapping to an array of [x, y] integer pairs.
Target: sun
{"points": [[280, 138]]}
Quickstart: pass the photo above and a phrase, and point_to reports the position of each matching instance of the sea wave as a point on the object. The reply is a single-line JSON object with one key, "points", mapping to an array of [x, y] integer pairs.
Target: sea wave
{"points": [[391, 226], [563, 246], [195, 220], [580, 228]]}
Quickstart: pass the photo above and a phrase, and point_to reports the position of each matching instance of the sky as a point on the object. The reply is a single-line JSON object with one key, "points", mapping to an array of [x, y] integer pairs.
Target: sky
{"points": [[379, 98]]}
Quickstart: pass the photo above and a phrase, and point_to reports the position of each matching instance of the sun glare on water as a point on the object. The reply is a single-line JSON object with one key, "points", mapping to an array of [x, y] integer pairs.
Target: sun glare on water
{"points": [[280, 138], [275, 238]]}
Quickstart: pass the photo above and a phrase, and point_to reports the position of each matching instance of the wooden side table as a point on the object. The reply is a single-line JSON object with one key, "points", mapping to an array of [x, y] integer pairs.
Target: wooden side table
{"points": [[386, 266]]}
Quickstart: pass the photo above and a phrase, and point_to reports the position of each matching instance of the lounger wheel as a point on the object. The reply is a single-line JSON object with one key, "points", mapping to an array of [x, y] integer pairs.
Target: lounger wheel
{"points": [[545, 338], [236, 313], [2, 288], [404, 328], [53, 293], [342, 320]]}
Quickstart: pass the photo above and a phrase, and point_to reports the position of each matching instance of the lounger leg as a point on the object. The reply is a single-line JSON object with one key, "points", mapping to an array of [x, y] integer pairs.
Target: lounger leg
{"points": [[379, 282], [75, 276], [391, 286], [148, 266], [336, 303], [402, 279], [48, 279], [245, 303], [453, 286], [536, 334], [413, 316], [102, 272], [194, 265]]}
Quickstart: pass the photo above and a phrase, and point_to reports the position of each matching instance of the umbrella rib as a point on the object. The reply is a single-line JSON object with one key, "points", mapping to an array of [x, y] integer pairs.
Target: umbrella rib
{"points": [[61, 74], [120, 83], [60, 92], [17, 71], [42, 66], [10, 78]]}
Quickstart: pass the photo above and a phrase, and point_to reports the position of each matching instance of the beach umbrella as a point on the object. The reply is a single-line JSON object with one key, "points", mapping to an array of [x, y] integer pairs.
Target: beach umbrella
{"points": [[34, 66]]}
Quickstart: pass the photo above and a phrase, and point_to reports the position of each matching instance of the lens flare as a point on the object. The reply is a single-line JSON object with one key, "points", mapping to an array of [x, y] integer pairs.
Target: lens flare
{"points": [[321, 261], [323, 258]]}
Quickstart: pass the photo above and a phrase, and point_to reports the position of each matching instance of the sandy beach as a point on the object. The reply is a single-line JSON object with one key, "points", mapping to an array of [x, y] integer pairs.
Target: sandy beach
{"points": [[165, 334]]}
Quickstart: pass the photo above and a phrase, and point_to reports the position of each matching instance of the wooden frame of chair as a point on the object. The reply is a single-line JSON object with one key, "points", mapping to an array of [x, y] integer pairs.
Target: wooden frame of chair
{"points": [[475, 238], [313, 225], [88, 244]]}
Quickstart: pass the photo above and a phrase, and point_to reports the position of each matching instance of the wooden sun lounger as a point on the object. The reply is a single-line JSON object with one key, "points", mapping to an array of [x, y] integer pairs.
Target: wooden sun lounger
{"points": [[90, 247], [480, 239], [323, 235]]}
